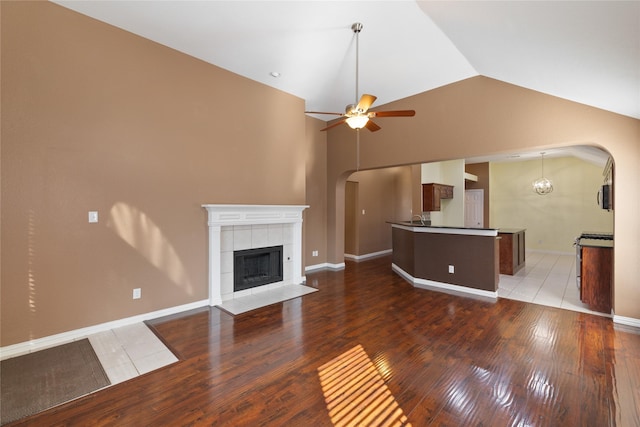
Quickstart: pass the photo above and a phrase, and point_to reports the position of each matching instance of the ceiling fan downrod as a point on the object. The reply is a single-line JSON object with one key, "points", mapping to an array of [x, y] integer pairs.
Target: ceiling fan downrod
{"points": [[357, 115], [357, 27]]}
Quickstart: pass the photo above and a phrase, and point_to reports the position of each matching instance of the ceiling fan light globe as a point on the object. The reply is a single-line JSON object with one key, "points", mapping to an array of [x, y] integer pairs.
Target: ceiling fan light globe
{"points": [[357, 122]]}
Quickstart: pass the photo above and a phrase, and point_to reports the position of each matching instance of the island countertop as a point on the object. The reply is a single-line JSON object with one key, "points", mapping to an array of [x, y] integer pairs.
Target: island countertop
{"points": [[511, 230], [418, 227]]}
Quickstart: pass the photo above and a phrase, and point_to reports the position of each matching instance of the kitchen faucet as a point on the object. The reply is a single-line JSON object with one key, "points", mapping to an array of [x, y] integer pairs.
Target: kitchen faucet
{"points": [[419, 217]]}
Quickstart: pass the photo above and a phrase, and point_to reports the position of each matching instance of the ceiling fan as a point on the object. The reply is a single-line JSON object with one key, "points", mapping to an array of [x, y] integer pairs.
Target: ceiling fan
{"points": [[358, 116]]}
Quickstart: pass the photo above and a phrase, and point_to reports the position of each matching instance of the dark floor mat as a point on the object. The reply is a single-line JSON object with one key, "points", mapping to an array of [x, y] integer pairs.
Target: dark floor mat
{"points": [[37, 381]]}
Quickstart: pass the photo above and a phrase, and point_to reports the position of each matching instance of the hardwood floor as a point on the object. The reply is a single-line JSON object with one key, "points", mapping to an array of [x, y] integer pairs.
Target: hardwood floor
{"points": [[369, 349]]}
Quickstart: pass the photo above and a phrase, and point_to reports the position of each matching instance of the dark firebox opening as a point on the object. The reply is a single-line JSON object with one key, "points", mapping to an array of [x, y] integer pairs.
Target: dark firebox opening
{"points": [[257, 267]]}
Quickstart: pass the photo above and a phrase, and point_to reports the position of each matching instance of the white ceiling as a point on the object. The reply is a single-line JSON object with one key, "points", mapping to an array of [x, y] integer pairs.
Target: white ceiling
{"points": [[584, 51]]}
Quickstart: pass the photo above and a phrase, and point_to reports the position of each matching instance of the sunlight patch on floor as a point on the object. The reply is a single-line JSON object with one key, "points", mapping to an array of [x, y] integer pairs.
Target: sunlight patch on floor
{"points": [[355, 392]]}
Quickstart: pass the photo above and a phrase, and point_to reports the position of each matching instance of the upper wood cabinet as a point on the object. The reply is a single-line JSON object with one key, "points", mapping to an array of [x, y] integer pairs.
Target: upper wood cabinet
{"points": [[432, 194]]}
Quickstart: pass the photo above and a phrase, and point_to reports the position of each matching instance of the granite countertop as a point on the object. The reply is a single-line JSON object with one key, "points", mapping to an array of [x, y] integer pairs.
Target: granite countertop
{"points": [[510, 230], [416, 223], [596, 243]]}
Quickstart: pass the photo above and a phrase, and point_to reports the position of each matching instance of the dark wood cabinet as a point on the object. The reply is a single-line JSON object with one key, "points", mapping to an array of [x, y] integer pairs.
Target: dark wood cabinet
{"points": [[512, 250], [596, 274], [433, 193]]}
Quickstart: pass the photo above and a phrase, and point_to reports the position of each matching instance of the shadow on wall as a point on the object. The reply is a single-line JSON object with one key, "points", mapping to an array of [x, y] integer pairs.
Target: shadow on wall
{"points": [[142, 234]]}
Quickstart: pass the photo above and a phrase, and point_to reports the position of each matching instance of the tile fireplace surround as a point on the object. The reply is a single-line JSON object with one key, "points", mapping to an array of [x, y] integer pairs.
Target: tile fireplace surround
{"points": [[238, 227]]}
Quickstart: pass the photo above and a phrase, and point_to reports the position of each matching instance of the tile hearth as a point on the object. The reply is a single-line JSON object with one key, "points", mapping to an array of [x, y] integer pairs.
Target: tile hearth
{"points": [[263, 298]]}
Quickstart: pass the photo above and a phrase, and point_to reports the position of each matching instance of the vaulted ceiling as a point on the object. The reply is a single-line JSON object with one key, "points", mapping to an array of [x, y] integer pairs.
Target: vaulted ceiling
{"points": [[584, 51]]}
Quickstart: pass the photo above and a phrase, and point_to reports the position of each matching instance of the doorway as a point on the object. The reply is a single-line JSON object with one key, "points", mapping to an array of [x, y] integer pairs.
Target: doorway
{"points": [[474, 208]]}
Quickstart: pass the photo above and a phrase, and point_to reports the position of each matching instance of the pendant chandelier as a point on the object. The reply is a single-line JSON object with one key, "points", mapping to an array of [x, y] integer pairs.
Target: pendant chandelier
{"points": [[542, 185]]}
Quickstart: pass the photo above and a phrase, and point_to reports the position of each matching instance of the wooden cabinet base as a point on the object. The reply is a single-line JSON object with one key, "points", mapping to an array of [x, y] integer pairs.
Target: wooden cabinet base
{"points": [[512, 247], [595, 278]]}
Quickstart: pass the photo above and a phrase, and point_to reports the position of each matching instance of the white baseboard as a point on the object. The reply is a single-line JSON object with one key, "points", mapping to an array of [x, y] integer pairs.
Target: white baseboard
{"points": [[325, 265], [338, 266], [433, 285], [341, 266], [544, 251], [316, 267], [629, 321], [367, 256], [14, 350]]}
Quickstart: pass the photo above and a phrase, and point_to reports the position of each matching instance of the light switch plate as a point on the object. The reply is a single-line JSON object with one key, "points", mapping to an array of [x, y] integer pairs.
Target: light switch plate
{"points": [[93, 216]]}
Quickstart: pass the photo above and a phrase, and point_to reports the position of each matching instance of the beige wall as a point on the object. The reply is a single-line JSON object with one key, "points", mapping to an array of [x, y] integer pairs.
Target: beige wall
{"points": [[95, 118], [404, 190], [315, 217], [416, 194], [372, 198], [482, 116], [553, 220]]}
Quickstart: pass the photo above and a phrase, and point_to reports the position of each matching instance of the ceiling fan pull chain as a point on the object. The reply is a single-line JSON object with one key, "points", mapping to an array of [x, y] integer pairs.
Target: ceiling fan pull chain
{"points": [[357, 150]]}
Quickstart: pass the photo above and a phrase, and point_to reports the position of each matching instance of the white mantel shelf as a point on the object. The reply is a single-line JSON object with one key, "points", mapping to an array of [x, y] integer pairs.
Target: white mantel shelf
{"points": [[230, 215], [254, 214]]}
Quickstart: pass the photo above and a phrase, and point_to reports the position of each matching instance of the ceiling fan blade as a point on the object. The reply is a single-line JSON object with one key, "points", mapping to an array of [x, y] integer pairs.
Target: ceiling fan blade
{"points": [[338, 123], [365, 102], [323, 112], [397, 113], [372, 126]]}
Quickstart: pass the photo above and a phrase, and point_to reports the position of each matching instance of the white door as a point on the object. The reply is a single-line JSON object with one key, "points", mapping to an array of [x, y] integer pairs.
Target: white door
{"points": [[474, 208]]}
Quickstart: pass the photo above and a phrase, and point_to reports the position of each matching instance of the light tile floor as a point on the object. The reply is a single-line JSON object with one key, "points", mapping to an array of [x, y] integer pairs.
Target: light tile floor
{"points": [[546, 279], [129, 351]]}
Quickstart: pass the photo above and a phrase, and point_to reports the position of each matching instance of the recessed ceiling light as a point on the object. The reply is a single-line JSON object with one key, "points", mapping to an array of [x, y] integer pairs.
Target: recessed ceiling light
{"points": [[274, 74]]}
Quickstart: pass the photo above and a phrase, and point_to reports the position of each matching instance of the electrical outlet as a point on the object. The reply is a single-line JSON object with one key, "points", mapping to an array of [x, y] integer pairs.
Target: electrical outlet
{"points": [[314, 253], [451, 269], [137, 293], [93, 216]]}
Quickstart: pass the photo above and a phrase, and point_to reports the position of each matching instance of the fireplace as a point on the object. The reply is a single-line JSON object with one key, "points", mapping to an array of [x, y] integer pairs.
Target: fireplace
{"points": [[257, 267], [247, 227]]}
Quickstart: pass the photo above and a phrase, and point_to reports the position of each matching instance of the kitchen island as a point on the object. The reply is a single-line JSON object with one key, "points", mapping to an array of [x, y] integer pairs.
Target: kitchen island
{"points": [[451, 258]]}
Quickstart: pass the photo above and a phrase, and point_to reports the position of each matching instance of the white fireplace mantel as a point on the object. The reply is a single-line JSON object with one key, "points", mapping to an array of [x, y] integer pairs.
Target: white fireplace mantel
{"points": [[229, 215]]}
